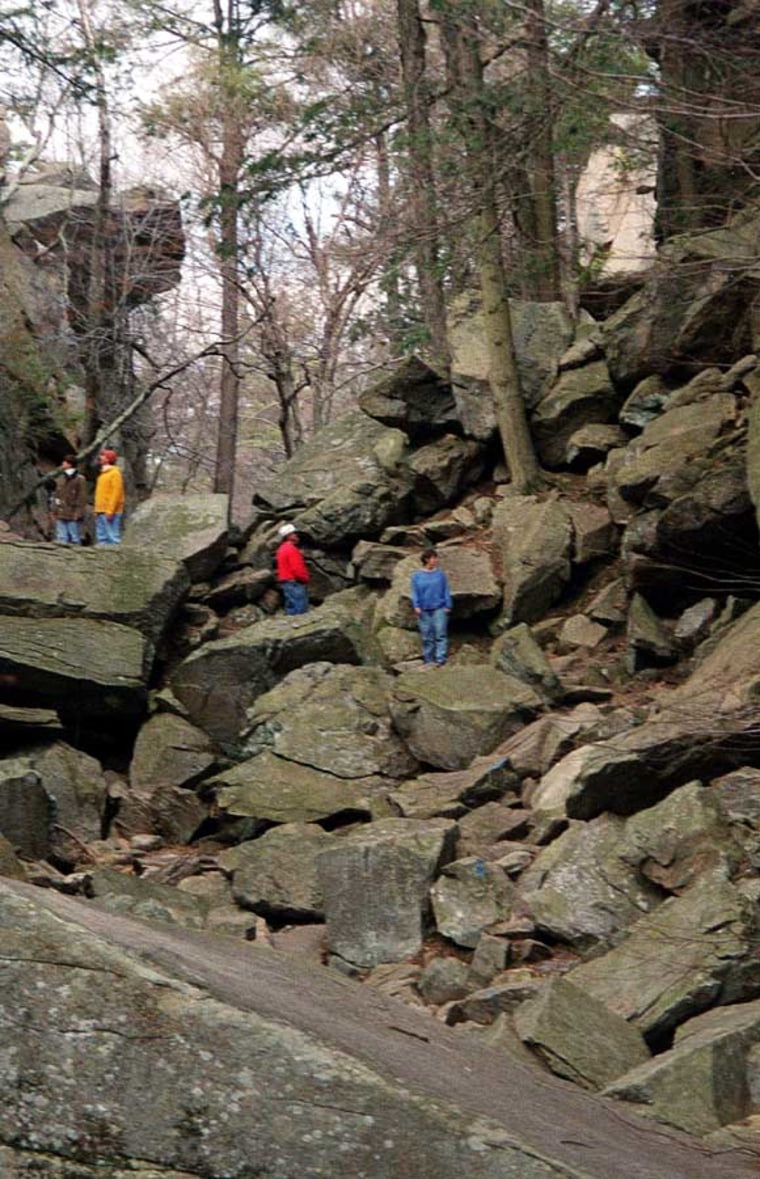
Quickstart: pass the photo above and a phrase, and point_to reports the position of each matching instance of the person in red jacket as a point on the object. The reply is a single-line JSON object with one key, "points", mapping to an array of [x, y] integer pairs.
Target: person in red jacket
{"points": [[292, 574]]}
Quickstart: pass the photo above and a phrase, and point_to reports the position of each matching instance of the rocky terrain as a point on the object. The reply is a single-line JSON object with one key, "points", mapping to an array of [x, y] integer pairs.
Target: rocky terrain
{"points": [[539, 862]]}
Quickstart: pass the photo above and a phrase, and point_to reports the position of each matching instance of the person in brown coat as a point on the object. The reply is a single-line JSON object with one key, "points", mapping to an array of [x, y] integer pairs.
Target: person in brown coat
{"points": [[69, 502]]}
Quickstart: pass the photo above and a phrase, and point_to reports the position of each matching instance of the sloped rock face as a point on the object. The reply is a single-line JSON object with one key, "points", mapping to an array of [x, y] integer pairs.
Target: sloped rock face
{"points": [[409, 1114]]}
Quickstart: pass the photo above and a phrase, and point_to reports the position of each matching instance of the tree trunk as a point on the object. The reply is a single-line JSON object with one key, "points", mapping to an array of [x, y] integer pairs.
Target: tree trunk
{"points": [[544, 257], [229, 198], [465, 71], [389, 284], [422, 181]]}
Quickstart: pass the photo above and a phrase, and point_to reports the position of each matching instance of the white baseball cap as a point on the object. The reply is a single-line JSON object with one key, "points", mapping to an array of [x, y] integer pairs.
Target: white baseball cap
{"points": [[286, 529]]}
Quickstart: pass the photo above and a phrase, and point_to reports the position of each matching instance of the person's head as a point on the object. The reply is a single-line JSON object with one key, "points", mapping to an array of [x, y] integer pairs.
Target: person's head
{"points": [[429, 558], [107, 458], [288, 532], [69, 462]]}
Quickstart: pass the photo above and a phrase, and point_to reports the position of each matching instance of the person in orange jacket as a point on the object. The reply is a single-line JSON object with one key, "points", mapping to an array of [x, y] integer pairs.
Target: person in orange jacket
{"points": [[109, 500]]}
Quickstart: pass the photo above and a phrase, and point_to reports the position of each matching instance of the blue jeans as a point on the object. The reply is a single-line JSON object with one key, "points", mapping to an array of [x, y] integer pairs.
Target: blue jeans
{"points": [[434, 625], [68, 531], [296, 597], [107, 531]]}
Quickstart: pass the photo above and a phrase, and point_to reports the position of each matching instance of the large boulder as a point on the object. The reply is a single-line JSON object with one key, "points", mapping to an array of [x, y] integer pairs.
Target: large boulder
{"points": [[375, 883], [578, 1037], [76, 786], [695, 951], [695, 308], [706, 724], [441, 471], [26, 809], [450, 715], [451, 795], [276, 875], [271, 790], [332, 718], [85, 668], [140, 588], [468, 897], [705, 1080], [170, 751], [668, 446], [701, 534], [345, 483], [218, 683], [579, 397], [581, 891], [414, 398], [474, 589], [542, 333], [189, 529], [532, 553]]}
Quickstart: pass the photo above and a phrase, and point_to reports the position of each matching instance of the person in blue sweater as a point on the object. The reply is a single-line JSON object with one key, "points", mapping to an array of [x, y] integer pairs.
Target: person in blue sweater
{"points": [[431, 601]]}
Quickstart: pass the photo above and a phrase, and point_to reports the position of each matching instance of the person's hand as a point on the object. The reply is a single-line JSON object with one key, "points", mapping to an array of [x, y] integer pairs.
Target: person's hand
{"points": [[417, 612]]}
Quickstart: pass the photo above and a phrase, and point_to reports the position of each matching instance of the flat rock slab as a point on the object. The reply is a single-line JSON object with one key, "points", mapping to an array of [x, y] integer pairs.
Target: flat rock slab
{"points": [[353, 1071], [139, 588], [96, 668], [268, 787], [188, 529]]}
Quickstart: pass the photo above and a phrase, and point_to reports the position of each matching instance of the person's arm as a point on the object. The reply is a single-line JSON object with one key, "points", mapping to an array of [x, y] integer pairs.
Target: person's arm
{"points": [[301, 572], [448, 600], [415, 596], [81, 505]]}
